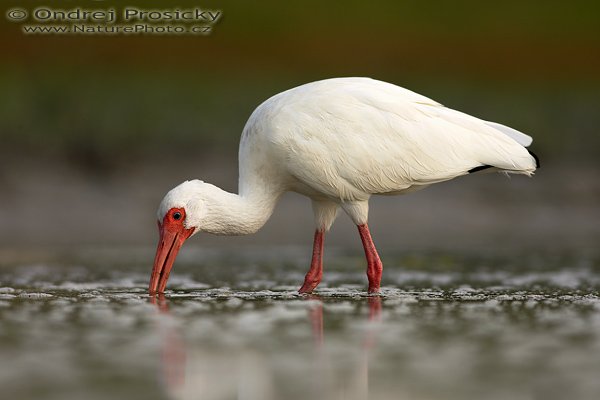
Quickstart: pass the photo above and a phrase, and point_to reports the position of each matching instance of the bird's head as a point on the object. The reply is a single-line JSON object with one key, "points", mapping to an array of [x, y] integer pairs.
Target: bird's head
{"points": [[179, 217]]}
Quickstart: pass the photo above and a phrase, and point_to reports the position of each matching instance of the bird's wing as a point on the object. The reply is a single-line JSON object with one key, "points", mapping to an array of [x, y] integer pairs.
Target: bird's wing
{"points": [[368, 137]]}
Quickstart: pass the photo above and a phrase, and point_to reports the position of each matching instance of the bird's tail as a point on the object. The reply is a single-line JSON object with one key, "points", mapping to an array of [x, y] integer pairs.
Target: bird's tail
{"points": [[512, 159], [528, 169]]}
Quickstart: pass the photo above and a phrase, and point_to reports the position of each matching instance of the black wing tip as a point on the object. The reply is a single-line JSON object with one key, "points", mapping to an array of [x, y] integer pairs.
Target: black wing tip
{"points": [[479, 168], [537, 160]]}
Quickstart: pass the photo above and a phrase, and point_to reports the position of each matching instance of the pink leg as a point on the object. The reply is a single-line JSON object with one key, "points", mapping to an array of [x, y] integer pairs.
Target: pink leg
{"points": [[374, 265], [315, 273]]}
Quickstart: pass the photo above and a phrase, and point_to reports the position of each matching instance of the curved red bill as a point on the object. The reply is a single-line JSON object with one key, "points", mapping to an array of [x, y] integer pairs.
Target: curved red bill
{"points": [[172, 235]]}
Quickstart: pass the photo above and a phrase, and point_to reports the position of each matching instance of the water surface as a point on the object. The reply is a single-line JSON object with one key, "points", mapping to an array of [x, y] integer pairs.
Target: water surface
{"points": [[446, 326]]}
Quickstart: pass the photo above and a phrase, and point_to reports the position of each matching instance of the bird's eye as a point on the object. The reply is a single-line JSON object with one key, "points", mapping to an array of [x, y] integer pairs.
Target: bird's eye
{"points": [[176, 215]]}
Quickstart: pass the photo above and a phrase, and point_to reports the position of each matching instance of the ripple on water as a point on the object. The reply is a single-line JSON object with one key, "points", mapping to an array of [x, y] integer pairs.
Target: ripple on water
{"points": [[430, 334]]}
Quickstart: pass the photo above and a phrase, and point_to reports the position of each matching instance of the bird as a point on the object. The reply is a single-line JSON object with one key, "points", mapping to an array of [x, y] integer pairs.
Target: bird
{"points": [[338, 142]]}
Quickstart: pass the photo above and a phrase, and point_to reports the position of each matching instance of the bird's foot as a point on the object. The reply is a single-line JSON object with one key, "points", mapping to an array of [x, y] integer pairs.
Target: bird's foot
{"points": [[308, 286], [374, 280], [373, 290]]}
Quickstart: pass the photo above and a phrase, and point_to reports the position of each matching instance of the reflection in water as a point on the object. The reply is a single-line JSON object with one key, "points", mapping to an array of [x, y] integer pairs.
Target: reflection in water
{"points": [[201, 373], [173, 355], [522, 333]]}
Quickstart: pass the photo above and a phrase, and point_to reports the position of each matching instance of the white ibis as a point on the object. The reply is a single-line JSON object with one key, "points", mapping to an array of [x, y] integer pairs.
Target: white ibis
{"points": [[338, 142]]}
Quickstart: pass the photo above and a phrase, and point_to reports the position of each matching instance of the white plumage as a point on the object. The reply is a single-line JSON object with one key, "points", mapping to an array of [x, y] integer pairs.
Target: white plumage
{"points": [[339, 141]]}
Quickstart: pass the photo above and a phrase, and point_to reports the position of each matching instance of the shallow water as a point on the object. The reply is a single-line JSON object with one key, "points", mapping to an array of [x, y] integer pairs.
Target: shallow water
{"points": [[446, 326]]}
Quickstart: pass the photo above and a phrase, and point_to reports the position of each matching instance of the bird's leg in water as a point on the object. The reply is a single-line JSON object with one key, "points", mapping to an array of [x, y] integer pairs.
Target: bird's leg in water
{"points": [[315, 273], [374, 264]]}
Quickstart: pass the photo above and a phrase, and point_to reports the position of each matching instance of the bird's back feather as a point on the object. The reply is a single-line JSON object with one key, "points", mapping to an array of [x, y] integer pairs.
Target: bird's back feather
{"points": [[348, 138]]}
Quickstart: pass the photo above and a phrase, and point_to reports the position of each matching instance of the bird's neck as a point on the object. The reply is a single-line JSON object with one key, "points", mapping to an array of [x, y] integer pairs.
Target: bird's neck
{"points": [[238, 214]]}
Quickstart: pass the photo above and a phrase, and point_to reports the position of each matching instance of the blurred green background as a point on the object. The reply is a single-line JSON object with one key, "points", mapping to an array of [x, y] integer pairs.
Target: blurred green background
{"points": [[95, 128]]}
